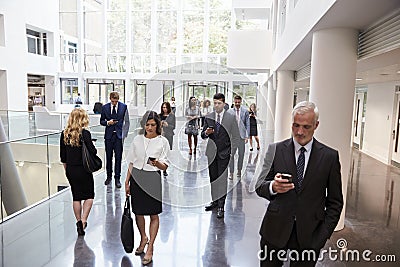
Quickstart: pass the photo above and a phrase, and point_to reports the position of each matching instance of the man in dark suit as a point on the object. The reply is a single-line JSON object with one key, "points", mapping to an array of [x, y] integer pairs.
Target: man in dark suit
{"points": [[115, 117], [301, 179], [221, 128], [243, 119]]}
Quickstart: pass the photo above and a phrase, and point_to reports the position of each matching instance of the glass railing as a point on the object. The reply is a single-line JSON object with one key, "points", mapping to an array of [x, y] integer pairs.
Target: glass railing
{"points": [[30, 167]]}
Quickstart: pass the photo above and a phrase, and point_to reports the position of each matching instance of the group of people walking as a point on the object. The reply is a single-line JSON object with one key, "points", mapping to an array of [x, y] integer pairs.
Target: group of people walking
{"points": [[300, 166]]}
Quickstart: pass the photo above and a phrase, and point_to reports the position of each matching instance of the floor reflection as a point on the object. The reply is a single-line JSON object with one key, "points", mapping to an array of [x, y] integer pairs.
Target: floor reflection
{"points": [[83, 255]]}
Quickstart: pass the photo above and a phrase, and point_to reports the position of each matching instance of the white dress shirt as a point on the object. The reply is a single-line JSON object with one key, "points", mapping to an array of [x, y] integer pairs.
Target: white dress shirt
{"points": [[142, 148]]}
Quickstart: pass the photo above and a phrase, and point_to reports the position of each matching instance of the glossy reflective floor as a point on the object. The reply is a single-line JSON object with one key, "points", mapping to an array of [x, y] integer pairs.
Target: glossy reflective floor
{"points": [[188, 235]]}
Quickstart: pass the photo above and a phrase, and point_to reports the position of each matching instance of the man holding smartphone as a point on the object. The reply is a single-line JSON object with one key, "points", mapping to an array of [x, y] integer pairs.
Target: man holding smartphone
{"points": [[301, 178], [115, 117], [222, 131]]}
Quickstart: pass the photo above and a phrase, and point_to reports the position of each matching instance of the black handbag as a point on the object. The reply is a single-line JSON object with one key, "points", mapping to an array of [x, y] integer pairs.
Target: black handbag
{"points": [[91, 162], [127, 227]]}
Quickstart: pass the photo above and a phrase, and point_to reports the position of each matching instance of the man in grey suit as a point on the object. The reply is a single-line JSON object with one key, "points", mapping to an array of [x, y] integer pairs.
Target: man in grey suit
{"points": [[301, 179], [221, 129], [243, 119]]}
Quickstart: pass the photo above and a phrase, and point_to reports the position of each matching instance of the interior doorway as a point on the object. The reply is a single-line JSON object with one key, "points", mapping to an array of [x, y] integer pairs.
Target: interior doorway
{"points": [[359, 117], [36, 91], [396, 130]]}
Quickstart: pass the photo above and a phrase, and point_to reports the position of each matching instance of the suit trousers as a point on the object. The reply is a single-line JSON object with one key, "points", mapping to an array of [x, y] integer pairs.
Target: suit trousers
{"points": [[269, 256], [240, 148], [218, 172], [114, 146]]}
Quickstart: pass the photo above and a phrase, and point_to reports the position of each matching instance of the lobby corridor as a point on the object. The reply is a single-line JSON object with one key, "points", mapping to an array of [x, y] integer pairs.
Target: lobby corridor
{"points": [[189, 236]]}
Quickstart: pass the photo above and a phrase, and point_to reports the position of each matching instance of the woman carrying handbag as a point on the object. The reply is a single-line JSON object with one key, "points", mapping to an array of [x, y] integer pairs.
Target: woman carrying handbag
{"points": [[146, 158], [80, 180]]}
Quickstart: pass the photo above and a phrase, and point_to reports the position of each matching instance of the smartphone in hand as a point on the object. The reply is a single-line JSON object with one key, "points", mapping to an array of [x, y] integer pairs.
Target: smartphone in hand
{"points": [[150, 159], [288, 177]]}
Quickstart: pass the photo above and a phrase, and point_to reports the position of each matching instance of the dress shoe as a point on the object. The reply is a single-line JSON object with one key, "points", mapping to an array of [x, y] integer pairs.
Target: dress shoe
{"points": [[220, 213], [258, 148], [117, 184], [79, 228], [251, 149], [107, 181], [165, 173], [211, 206]]}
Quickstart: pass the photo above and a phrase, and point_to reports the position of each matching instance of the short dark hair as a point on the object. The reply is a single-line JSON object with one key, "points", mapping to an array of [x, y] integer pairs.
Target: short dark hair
{"points": [[150, 115], [219, 96], [238, 97], [168, 105]]}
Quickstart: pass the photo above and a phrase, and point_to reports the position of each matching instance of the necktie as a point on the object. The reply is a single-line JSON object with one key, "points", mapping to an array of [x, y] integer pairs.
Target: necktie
{"points": [[218, 123], [114, 113], [238, 116], [300, 167]]}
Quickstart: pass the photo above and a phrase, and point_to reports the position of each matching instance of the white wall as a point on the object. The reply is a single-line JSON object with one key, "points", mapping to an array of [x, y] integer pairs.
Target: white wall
{"points": [[15, 59], [249, 49], [378, 120], [3, 91], [301, 20]]}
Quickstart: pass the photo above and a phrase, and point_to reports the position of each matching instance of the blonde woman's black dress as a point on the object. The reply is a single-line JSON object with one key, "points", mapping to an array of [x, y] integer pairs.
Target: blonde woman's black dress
{"points": [[81, 181]]}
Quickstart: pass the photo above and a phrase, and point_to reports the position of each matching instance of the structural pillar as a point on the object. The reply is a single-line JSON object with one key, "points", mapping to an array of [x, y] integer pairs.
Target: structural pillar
{"points": [[271, 101], [332, 83], [12, 192], [284, 105]]}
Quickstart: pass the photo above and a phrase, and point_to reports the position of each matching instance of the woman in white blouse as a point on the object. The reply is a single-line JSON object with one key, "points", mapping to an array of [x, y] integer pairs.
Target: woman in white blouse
{"points": [[146, 157]]}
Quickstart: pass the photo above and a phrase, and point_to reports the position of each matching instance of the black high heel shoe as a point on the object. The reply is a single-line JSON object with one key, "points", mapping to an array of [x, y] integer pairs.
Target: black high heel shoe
{"points": [[79, 228]]}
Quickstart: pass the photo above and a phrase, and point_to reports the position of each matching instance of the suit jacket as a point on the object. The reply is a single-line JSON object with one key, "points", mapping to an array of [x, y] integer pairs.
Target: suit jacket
{"points": [[244, 124], [220, 144], [122, 127], [316, 207]]}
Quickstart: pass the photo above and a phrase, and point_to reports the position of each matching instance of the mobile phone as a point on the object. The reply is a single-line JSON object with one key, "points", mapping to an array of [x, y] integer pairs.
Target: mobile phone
{"points": [[287, 176], [150, 159], [94, 139], [115, 121]]}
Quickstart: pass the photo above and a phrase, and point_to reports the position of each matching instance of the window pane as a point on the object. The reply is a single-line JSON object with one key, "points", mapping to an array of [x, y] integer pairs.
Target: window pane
{"points": [[117, 4], [167, 4], [193, 32], [193, 4], [141, 35], [141, 4], [166, 32], [31, 45], [219, 26], [116, 32]]}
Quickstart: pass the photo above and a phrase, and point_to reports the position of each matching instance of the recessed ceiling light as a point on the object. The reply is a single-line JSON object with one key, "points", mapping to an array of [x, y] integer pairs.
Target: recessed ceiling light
{"points": [[358, 79], [398, 72], [384, 74]]}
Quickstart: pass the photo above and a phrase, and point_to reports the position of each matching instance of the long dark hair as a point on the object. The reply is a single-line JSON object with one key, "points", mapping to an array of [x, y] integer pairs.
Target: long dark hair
{"points": [[168, 105], [150, 115]]}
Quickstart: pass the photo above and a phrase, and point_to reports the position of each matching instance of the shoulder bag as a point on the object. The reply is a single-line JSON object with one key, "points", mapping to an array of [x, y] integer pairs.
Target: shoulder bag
{"points": [[91, 162]]}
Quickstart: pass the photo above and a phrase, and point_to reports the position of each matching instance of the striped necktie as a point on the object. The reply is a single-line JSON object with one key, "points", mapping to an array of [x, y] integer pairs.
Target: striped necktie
{"points": [[218, 123], [300, 167]]}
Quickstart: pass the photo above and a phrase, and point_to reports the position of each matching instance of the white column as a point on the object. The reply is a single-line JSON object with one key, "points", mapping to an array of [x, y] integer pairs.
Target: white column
{"points": [[271, 101], [284, 105], [332, 82]]}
